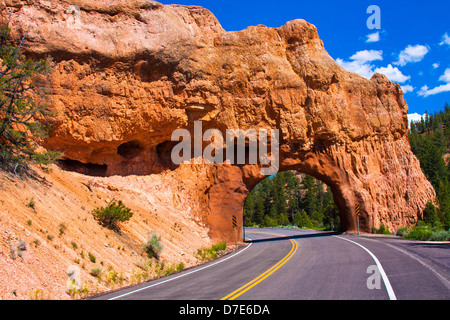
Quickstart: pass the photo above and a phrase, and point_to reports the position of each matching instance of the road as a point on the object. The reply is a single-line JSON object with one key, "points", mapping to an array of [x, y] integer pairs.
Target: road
{"points": [[292, 264]]}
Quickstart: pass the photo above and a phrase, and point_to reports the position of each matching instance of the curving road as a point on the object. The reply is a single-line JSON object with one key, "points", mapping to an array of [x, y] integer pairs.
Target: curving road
{"points": [[291, 264]]}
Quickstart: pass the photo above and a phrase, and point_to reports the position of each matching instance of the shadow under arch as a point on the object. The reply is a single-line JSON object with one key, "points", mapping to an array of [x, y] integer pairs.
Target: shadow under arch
{"points": [[298, 236]]}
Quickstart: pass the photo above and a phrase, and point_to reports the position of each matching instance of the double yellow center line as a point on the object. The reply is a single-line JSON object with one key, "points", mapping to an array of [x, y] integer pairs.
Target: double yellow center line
{"points": [[262, 276]]}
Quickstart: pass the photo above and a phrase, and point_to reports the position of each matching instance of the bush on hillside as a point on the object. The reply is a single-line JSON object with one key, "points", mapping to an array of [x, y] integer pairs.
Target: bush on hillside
{"points": [[112, 214]]}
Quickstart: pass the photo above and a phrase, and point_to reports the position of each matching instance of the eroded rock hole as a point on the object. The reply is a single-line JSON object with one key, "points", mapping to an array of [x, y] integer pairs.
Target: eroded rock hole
{"points": [[91, 169], [130, 149], [164, 151]]}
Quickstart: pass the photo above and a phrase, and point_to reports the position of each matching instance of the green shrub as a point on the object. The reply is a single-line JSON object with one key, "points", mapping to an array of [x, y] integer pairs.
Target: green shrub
{"points": [[96, 272], [269, 222], [419, 233], [180, 266], [302, 220], [22, 246], [440, 236], [169, 270], [91, 257], [402, 231], [219, 246], [31, 203], [62, 228], [382, 230], [430, 216], [206, 254], [112, 277], [112, 214], [153, 247]]}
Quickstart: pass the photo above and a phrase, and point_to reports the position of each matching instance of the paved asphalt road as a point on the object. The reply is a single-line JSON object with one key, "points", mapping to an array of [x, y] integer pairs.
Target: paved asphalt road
{"points": [[288, 264]]}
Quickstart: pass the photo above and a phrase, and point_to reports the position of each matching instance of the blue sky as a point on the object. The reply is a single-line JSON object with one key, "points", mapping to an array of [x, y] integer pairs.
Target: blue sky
{"points": [[411, 46]]}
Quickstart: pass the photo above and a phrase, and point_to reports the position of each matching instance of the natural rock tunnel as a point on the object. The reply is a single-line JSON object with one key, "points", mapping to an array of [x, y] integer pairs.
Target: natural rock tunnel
{"points": [[125, 80]]}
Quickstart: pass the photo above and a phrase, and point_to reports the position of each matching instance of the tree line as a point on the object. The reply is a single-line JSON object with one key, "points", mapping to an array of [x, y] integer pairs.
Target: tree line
{"points": [[291, 199], [430, 142]]}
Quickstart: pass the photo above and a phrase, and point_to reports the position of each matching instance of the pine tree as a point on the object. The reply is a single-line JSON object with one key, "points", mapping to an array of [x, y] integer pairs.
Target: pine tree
{"points": [[443, 198], [432, 163], [21, 112], [310, 200], [430, 214], [284, 199], [331, 216], [258, 215], [302, 220], [279, 196], [430, 141]]}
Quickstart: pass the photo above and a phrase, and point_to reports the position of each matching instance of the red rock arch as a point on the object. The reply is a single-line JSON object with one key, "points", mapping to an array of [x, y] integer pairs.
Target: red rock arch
{"points": [[139, 79]]}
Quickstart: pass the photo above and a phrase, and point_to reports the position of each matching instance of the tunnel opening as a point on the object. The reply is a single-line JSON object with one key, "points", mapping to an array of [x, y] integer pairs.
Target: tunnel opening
{"points": [[290, 198], [91, 169]]}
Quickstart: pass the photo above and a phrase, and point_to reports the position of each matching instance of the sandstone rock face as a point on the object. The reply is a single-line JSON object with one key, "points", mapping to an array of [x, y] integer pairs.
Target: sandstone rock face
{"points": [[128, 73]]}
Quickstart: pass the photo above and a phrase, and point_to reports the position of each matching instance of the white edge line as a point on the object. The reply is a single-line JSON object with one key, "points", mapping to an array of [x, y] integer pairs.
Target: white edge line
{"points": [[387, 284], [412, 256], [182, 275]]}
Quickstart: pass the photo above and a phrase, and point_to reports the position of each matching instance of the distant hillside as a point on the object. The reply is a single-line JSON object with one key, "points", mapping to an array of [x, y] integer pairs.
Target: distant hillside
{"points": [[430, 142]]}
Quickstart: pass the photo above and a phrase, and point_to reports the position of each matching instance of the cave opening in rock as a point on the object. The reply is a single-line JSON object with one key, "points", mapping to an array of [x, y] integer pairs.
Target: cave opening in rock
{"points": [[290, 198], [130, 149], [91, 169], [164, 152]]}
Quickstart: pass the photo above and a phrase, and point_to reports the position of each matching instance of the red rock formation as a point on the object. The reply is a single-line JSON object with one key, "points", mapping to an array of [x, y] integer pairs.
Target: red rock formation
{"points": [[128, 73]]}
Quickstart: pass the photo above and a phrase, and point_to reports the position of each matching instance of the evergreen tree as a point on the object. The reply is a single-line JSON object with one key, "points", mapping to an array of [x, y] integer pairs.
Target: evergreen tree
{"points": [[431, 162], [279, 196], [249, 209], [21, 111], [302, 220], [258, 215], [284, 199], [430, 214], [430, 141], [331, 216], [310, 200]]}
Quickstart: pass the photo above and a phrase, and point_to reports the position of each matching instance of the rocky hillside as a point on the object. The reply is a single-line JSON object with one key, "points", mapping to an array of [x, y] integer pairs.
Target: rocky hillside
{"points": [[47, 227]]}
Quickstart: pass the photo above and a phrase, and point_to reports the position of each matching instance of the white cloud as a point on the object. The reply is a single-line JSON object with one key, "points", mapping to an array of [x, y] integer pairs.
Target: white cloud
{"points": [[360, 63], [414, 117], [366, 70], [425, 91], [393, 73], [407, 88], [435, 65], [373, 37], [361, 68], [446, 76], [445, 39], [367, 55], [412, 54]]}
